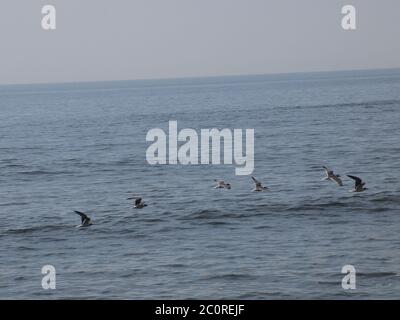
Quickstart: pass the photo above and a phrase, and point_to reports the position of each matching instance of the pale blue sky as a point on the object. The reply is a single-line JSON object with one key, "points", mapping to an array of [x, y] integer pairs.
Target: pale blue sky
{"points": [[135, 39]]}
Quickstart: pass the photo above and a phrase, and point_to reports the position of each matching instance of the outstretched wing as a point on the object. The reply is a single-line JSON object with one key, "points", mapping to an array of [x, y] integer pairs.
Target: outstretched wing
{"points": [[357, 180], [83, 216], [256, 181]]}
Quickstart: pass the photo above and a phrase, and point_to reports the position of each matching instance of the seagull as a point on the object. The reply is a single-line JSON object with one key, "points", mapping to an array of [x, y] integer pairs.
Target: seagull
{"points": [[222, 184], [359, 184], [139, 204], [259, 186], [331, 176], [85, 220]]}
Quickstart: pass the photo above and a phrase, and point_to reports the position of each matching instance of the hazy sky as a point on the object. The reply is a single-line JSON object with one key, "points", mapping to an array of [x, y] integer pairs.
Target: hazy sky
{"points": [[134, 39]]}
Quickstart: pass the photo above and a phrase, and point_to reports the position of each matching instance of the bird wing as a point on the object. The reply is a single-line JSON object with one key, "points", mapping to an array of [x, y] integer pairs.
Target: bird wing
{"points": [[83, 216], [86, 221], [256, 181], [338, 180], [357, 180]]}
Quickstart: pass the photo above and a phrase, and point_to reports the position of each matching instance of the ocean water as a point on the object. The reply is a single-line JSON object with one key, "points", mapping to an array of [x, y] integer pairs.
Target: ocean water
{"points": [[82, 146]]}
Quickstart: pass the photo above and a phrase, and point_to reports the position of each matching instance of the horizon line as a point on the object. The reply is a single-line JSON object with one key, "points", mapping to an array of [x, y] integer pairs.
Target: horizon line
{"points": [[192, 77]]}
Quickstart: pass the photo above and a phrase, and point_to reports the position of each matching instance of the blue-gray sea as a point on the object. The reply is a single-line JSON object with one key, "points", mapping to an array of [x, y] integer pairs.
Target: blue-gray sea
{"points": [[82, 146]]}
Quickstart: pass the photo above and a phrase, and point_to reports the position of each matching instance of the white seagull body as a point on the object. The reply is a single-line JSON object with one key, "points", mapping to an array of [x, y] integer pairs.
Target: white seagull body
{"points": [[330, 175], [222, 185], [85, 220], [259, 186], [359, 184]]}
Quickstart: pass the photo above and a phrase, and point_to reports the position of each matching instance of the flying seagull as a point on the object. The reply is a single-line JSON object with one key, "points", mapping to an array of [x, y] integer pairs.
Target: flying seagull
{"points": [[222, 184], [359, 184], [139, 204], [85, 220], [259, 186], [330, 175]]}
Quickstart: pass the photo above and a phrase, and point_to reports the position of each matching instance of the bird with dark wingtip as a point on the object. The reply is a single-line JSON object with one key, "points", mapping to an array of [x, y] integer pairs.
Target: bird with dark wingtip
{"points": [[139, 204], [85, 220], [358, 185], [258, 185], [330, 175], [221, 184]]}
